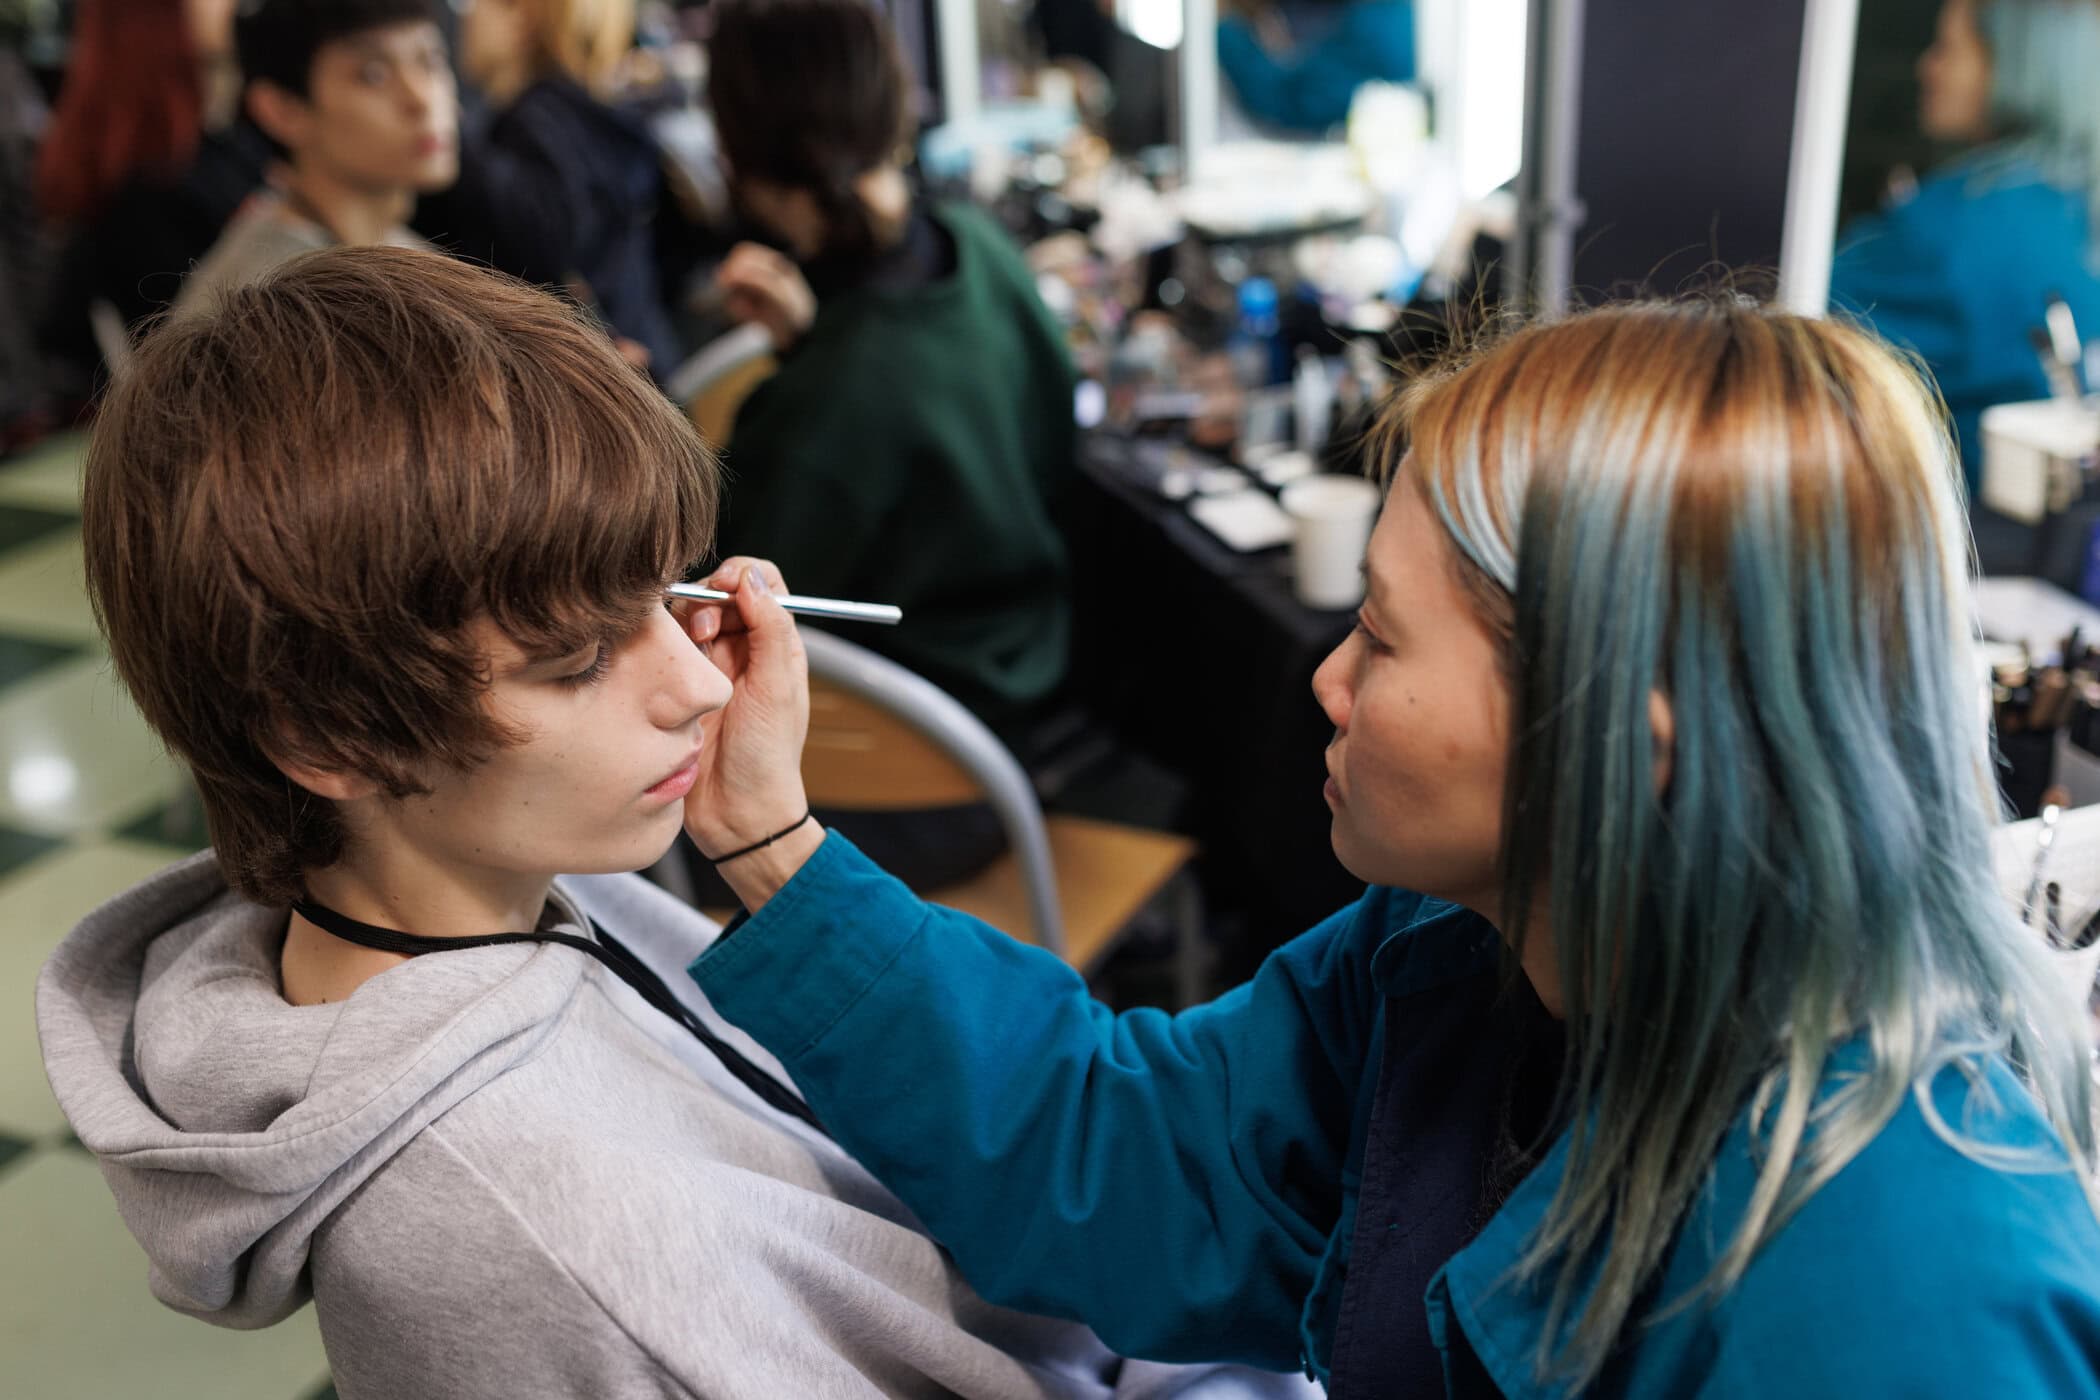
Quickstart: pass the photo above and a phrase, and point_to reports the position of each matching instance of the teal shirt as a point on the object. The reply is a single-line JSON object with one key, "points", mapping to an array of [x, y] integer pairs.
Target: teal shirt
{"points": [[1186, 1184], [914, 448], [1961, 271]]}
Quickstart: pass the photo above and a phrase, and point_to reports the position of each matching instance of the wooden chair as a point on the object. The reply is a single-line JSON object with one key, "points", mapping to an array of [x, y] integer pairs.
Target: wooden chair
{"points": [[883, 738], [716, 380]]}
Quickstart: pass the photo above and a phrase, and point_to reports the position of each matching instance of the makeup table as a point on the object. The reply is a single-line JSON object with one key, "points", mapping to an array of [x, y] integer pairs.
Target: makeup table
{"points": [[1201, 657]]}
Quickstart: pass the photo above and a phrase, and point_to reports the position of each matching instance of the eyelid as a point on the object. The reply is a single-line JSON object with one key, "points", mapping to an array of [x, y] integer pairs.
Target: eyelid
{"points": [[600, 662]]}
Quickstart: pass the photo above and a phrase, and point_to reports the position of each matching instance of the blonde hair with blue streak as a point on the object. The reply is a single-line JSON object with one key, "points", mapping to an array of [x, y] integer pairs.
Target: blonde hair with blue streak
{"points": [[1758, 517]]}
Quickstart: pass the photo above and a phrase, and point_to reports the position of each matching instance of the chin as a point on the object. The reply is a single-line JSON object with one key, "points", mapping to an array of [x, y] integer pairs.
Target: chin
{"points": [[432, 178], [1371, 867], [623, 857]]}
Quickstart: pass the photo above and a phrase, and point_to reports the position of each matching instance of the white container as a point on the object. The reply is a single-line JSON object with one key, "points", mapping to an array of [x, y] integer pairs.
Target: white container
{"points": [[2034, 456], [1331, 518]]}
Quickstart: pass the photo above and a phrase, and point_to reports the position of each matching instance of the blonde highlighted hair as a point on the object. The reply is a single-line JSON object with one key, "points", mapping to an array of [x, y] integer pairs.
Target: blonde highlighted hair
{"points": [[1757, 516]]}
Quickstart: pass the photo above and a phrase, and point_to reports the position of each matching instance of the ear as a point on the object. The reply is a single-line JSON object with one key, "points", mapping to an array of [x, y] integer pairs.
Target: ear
{"points": [[285, 117], [1662, 723], [335, 784]]}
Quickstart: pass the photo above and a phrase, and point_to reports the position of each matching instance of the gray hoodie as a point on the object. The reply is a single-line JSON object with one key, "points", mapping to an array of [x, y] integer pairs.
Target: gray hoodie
{"points": [[500, 1173]]}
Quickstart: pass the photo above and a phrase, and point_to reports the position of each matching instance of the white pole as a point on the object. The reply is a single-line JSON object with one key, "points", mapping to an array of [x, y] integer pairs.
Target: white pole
{"points": [[1199, 84], [962, 83], [1815, 168], [1560, 212]]}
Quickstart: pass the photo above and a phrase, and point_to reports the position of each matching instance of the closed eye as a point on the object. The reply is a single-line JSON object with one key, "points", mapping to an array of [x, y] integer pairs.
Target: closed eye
{"points": [[600, 663]]}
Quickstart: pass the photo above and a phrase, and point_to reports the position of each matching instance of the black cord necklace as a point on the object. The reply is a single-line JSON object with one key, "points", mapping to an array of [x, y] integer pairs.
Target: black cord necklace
{"points": [[606, 949]]}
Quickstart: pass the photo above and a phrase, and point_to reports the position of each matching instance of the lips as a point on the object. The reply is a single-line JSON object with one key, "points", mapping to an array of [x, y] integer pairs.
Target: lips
{"points": [[679, 781]]}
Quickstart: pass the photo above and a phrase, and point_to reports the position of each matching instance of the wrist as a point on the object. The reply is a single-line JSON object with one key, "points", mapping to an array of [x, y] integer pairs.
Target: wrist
{"points": [[756, 877], [718, 827]]}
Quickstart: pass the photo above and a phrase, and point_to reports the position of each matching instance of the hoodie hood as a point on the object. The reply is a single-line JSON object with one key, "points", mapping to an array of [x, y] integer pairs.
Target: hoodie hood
{"points": [[225, 1160]]}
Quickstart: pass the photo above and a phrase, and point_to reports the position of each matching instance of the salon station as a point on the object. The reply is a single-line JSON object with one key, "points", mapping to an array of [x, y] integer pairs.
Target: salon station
{"points": [[1119, 404]]}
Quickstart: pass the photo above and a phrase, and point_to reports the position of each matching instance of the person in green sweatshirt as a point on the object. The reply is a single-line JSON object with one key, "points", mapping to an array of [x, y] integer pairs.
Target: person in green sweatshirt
{"points": [[914, 441]]}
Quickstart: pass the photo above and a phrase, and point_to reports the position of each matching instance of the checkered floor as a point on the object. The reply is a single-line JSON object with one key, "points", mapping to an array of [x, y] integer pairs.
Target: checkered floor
{"points": [[88, 805]]}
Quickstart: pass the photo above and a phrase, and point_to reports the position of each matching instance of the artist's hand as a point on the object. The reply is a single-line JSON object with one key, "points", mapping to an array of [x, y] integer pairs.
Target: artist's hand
{"points": [[750, 783], [760, 285]]}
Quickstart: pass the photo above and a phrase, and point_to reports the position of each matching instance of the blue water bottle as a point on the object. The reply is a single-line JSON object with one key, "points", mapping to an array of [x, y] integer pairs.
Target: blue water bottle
{"points": [[1257, 345]]}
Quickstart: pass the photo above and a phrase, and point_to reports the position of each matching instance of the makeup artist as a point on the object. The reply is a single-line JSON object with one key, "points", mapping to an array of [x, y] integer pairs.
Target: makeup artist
{"points": [[1960, 265], [1683, 1041]]}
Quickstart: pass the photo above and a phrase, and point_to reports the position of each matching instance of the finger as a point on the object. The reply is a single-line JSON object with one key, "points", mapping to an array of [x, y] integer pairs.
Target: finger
{"points": [[703, 623], [774, 656], [729, 575]]}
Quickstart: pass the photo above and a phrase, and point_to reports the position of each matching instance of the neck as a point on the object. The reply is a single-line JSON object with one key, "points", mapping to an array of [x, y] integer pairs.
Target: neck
{"points": [[220, 79], [353, 215], [1540, 958], [888, 198], [503, 86], [400, 890]]}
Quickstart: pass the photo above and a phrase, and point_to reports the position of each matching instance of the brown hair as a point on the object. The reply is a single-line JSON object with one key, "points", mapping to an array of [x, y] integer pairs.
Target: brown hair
{"points": [[811, 94], [296, 503]]}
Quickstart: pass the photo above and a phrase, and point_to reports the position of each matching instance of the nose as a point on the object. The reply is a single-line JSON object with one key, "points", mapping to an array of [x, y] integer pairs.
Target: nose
{"points": [[688, 685], [428, 91], [1332, 683]]}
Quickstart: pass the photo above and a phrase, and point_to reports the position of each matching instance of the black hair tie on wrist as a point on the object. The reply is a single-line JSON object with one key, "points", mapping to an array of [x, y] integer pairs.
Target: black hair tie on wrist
{"points": [[789, 829]]}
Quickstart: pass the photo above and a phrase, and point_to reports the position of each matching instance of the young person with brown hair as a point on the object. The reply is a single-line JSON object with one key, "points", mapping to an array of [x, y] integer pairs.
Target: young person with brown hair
{"points": [[386, 1044]]}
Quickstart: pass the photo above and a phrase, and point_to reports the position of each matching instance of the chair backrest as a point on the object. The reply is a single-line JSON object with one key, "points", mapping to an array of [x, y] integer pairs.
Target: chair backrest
{"points": [[714, 382], [911, 744]]}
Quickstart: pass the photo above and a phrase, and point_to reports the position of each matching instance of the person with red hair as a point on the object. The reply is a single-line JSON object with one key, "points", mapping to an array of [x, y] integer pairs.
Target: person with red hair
{"points": [[141, 165]]}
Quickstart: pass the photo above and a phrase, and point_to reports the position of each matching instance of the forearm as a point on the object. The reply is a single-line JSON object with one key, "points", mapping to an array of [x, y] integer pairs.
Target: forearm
{"points": [[1142, 1173]]}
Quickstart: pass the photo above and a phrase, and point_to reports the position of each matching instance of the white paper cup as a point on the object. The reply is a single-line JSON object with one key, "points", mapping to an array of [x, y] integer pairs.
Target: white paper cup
{"points": [[1332, 517]]}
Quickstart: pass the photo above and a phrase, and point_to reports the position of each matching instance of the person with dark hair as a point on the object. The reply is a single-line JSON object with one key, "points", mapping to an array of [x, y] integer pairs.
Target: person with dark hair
{"points": [[359, 97], [919, 429], [405, 1040]]}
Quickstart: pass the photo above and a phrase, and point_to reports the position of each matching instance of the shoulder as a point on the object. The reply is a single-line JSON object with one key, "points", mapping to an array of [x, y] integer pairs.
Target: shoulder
{"points": [[981, 245], [2005, 197], [262, 237], [1920, 1269]]}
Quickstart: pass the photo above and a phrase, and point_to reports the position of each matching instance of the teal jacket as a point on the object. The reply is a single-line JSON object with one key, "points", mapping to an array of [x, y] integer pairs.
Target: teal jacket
{"points": [[1960, 271], [1186, 1184], [1310, 89]]}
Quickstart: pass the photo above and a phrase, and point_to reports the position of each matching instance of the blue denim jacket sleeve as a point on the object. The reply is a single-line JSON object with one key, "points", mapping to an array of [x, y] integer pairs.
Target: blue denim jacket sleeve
{"points": [[1170, 1180]]}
